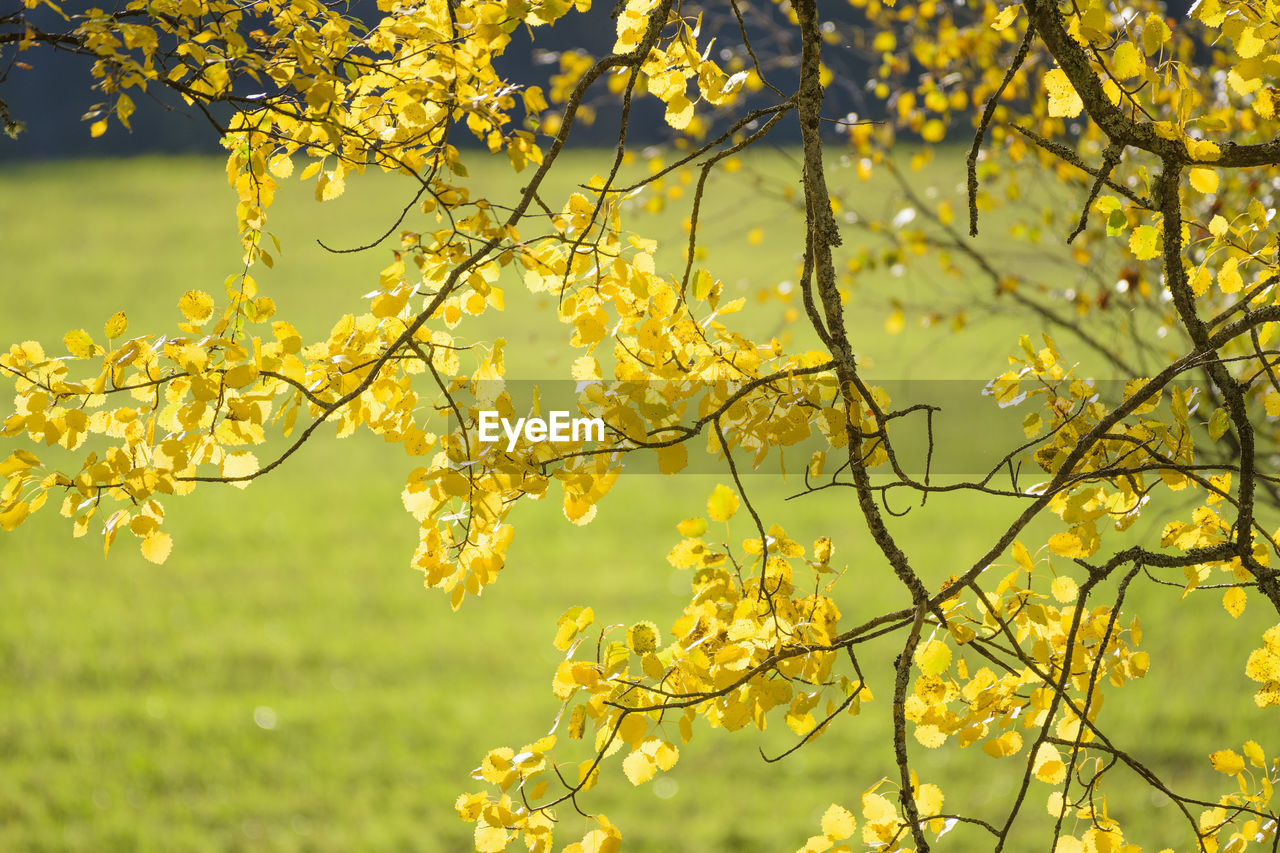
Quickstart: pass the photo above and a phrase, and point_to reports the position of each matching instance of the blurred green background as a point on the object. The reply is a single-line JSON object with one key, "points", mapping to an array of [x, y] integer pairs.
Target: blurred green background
{"points": [[284, 682]]}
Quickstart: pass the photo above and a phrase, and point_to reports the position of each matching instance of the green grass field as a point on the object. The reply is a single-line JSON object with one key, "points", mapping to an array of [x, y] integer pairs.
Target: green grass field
{"points": [[283, 682]]}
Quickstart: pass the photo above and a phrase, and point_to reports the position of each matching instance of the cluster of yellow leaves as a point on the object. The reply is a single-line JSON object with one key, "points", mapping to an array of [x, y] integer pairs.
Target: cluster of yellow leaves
{"points": [[1264, 667], [1122, 461], [883, 827], [937, 61], [1239, 818], [338, 96], [670, 66], [747, 644], [949, 699]]}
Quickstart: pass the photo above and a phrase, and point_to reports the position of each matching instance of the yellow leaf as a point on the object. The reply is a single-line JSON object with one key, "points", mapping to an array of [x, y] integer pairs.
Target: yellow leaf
{"points": [[1155, 34], [822, 550], [1005, 18], [817, 463], [1063, 100], [585, 368], [1271, 402], [490, 839], [14, 515], [196, 306], [1268, 695], [240, 376], [929, 799], [98, 128], [1007, 744], [930, 736], [1203, 149], [1204, 180], [933, 657], [934, 130], [691, 528], [1066, 544], [1111, 90], [638, 767], [601, 841], [643, 637], [239, 464], [281, 166], [1254, 752], [157, 546], [666, 755], [1103, 840], [1248, 45], [1226, 761], [816, 844], [679, 112], [1064, 588], [1201, 280], [1021, 556], [1127, 61], [1217, 225], [330, 186], [1234, 600], [115, 327], [1262, 666], [838, 823], [877, 808], [722, 504], [1048, 766], [1143, 242], [1229, 280], [687, 554], [79, 344], [1139, 663], [571, 622], [672, 459]]}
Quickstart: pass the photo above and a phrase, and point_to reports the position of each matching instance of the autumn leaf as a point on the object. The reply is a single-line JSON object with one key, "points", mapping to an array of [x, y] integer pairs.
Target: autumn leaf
{"points": [[838, 823], [157, 546], [196, 306], [1227, 761], [1048, 766], [692, 528], [639, 767], [672, 459], [116, 325], [1127, 61], [722, 504], [1005, 18], [1063, 100], [1229, 280], [79, 344], [1064, 589], [933, 657], [1233, 601], [1204, 180], [1006, 744], [1143, 242]]}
